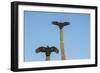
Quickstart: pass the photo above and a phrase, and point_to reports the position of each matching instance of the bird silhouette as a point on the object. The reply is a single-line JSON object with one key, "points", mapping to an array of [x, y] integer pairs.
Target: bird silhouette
{"points": [[60, 24], [47, 50]]}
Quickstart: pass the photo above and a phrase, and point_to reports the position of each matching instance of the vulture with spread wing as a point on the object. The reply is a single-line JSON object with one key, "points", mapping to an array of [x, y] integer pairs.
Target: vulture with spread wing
{"points": [[60, 24], [47, 50]]}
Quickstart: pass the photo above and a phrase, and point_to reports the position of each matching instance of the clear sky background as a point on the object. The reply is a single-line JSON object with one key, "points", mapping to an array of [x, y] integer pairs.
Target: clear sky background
{"points": [[39, 31]]}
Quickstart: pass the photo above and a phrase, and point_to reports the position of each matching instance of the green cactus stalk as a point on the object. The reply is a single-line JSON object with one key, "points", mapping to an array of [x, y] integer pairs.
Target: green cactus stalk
{"points": [[61, 25]]}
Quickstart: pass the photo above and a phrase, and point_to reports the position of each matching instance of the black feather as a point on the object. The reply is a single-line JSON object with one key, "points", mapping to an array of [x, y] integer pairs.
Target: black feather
{"points": [[54, 49], [54, 22], [66, 23], [40, 49]]}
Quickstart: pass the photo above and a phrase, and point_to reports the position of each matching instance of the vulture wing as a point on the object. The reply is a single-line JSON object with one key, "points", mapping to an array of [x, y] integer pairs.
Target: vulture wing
{"points": [[66, 23], [54, 49], [40, 49], [55, 22]]}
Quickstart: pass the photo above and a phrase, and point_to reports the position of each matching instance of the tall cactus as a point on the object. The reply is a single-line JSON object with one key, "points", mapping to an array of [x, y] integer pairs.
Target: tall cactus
{"points": [[61, 25]]}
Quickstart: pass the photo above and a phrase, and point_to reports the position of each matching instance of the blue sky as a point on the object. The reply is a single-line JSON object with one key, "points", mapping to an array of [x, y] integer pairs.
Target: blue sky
{"points": [[39, 31]]}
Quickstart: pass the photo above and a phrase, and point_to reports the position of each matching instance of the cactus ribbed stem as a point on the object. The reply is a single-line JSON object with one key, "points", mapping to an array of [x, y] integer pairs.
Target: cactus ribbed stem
{"points": [[62, 44], [61, 25], [47, 58]]}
